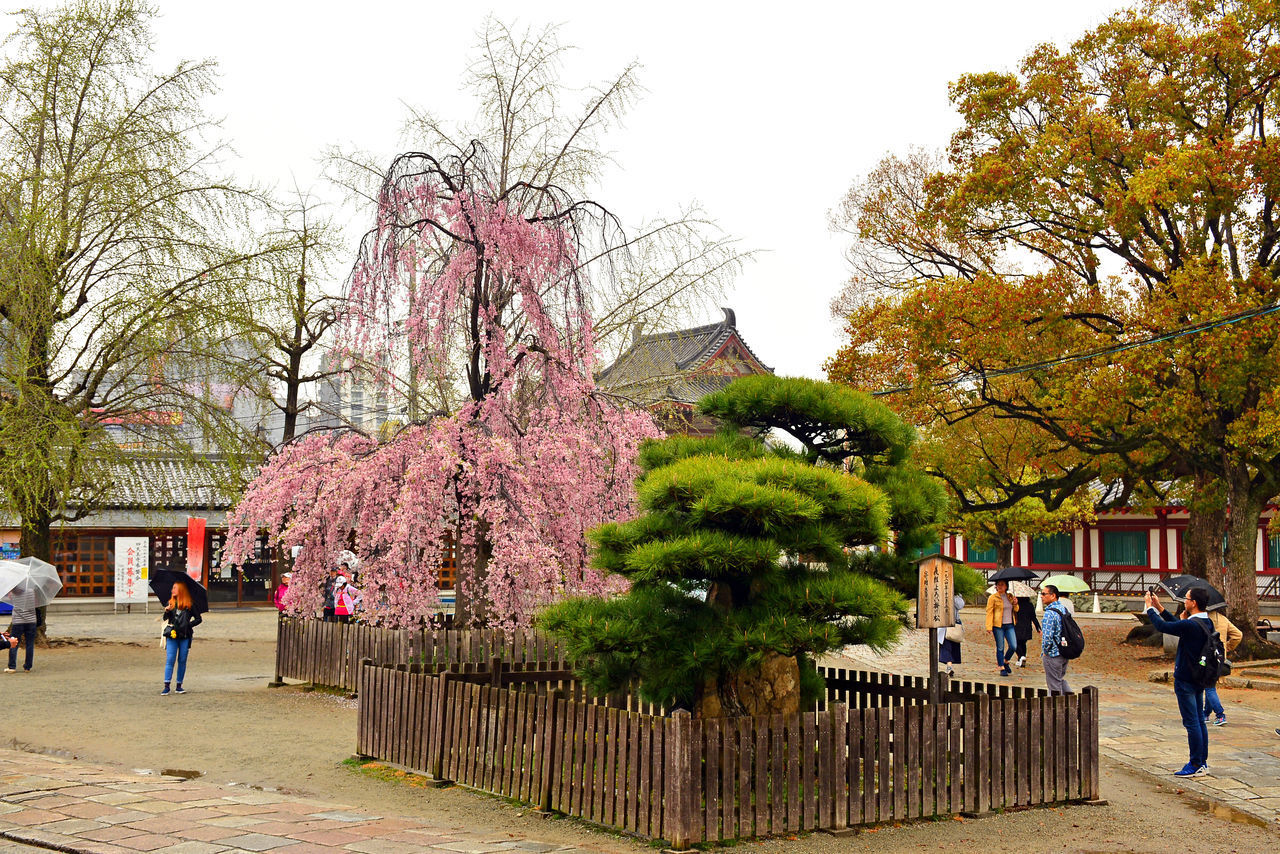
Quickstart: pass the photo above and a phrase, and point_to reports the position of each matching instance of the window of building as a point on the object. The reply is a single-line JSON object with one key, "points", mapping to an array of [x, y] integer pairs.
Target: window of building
{"points": [[981, 555], [1054, 549], [1273, 551], [448, 565], [86, 564], [1125, 548], [169, 551]]}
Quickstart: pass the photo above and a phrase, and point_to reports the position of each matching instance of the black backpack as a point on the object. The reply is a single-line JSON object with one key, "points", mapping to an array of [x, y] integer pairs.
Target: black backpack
{"points": [[1072, 643], [1212, 662]]}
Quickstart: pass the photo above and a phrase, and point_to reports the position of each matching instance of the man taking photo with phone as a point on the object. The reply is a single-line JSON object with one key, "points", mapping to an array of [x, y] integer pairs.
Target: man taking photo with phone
{"points": [[1193, 633]]}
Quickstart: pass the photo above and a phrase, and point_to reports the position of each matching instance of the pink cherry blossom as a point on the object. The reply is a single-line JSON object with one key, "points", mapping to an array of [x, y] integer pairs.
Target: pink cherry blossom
{"points": [[533, 459]]}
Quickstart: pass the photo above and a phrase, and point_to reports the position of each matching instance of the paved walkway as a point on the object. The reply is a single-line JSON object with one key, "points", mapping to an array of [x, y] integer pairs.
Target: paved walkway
{"points": [[1141, 729], [63, 805]]}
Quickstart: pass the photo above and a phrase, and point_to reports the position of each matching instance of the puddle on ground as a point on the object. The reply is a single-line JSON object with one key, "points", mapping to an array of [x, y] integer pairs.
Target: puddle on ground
{"points": [[1232, 814], [181, 772]]}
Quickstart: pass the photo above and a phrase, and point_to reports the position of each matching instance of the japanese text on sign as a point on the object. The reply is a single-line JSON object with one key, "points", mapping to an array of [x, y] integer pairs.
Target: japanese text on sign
{"points": [[935, 605], [133, 556]]}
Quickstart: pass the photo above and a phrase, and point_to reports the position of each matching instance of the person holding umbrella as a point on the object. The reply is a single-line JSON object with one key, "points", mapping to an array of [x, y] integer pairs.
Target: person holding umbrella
{"points": [[185, 601], [180, 619], [1002, 610], [23, 629]]}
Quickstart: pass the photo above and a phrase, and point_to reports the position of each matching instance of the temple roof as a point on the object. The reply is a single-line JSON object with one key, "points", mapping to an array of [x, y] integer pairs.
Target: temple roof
{"points": [[165, 482], [682, 366]]}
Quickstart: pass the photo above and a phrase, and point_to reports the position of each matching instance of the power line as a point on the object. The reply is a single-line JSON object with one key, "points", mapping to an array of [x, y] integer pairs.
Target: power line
{"points": [[1181, 332]]}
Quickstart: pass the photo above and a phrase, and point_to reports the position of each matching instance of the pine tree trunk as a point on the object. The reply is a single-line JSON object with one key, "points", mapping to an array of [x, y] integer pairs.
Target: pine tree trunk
{"points": [[770, 688], [1205, 528]]}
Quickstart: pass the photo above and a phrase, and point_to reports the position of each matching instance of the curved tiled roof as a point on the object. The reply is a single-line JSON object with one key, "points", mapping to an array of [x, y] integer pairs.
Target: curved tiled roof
{"points": [[163, 482], [662, 366]]}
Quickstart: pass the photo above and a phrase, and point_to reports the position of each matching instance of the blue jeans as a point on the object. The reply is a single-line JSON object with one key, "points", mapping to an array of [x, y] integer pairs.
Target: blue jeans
{"points": [[26, 635], [176, 649], [1190, 703], [1006, 636], [1212, 703]]}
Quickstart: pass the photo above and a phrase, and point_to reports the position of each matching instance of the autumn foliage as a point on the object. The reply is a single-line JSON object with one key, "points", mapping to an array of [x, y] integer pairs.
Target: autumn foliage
{"points": [[1096, 256]]}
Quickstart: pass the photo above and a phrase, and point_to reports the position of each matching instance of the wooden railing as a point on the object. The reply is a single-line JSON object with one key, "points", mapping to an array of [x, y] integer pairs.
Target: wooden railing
{"points": [[890, 757], [329, 654]]}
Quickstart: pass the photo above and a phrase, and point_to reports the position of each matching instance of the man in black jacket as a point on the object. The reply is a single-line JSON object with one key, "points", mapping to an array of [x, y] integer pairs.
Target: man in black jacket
{"points": [[1192, 633]]}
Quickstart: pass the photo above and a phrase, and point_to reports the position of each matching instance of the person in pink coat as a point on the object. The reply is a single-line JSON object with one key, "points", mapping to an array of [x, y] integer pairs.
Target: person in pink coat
{"points": [[282, 589]]}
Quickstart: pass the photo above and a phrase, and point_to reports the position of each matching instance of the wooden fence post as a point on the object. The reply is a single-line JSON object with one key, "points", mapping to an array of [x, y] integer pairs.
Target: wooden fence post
{"points": [[1092, 788], [365, 714], [280, 651], [550, 749], [678, 774], [439, 725]]}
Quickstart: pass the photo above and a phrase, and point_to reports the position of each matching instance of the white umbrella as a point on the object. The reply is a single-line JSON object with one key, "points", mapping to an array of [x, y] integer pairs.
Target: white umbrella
{"points": [[11, 575], [42, 577], [1017, 589]]}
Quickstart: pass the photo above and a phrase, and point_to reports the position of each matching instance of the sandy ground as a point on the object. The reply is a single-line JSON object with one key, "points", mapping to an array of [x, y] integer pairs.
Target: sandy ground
{"points": [[99, 700]]}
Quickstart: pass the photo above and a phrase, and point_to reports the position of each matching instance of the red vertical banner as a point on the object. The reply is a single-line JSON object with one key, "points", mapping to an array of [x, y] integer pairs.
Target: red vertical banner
{"points": [[195, 548]]}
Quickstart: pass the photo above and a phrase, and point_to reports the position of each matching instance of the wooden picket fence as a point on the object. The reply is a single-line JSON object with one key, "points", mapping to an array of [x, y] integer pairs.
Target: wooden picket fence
{"points": [[329, 654], [706, 780]]}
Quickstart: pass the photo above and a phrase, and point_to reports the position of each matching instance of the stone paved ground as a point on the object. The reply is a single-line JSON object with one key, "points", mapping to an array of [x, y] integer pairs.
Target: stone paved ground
{"points": [[63, 805], [1140, 726]]}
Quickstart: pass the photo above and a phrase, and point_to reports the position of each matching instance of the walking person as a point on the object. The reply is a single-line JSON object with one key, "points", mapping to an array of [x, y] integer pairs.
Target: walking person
{"points": [[1051, 657], [949, 652], [1023, 622], [1193, 633], [1001, 613], [23, 599], [179, 621], [1231, 637]]}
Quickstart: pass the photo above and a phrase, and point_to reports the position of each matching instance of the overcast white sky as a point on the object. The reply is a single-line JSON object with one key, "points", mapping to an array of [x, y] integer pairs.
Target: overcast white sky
{"points": [[761, 113]]}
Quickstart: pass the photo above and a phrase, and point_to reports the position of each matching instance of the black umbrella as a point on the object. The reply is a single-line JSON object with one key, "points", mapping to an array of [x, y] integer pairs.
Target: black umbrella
{"points": [[1012, 573], [1178, 585], [162, 581]]}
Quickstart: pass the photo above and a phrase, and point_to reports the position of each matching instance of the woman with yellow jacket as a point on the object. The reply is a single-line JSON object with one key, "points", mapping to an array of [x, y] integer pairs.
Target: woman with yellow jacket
{"points": [[1001, 611], [1231, 637]]}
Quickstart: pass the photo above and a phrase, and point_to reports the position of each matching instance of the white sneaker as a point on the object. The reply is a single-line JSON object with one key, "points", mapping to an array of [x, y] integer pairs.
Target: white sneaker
{"points": [[1022, 662], [10, 670]]}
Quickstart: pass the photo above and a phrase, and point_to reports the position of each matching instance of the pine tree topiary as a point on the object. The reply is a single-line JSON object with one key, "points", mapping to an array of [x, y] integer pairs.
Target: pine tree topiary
{"points": [[744, 564]]}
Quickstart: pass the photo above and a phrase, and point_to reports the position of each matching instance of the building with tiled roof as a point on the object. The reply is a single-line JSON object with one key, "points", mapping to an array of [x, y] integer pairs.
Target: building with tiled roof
{"points": [[177, 506], [669, 372]]}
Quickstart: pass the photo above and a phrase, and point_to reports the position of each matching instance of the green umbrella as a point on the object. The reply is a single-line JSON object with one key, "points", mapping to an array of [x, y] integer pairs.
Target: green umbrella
{"points": [[1066, 584]]}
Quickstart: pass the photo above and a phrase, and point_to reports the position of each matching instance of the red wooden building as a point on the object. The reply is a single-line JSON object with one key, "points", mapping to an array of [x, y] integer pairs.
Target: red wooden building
{"points": [[1123, 552]]}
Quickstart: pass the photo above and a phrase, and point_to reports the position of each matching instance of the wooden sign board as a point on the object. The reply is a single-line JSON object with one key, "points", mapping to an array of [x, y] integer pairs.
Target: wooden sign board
{"points": [[935, 605]]}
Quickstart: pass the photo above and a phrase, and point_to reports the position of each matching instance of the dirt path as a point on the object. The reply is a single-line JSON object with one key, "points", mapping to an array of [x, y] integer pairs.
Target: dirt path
{"points": [[99, 701]]}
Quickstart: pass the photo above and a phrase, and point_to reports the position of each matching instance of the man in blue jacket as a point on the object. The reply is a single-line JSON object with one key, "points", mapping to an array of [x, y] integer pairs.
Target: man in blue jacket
{"points": [[1192, 633], [1051, 658]]}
